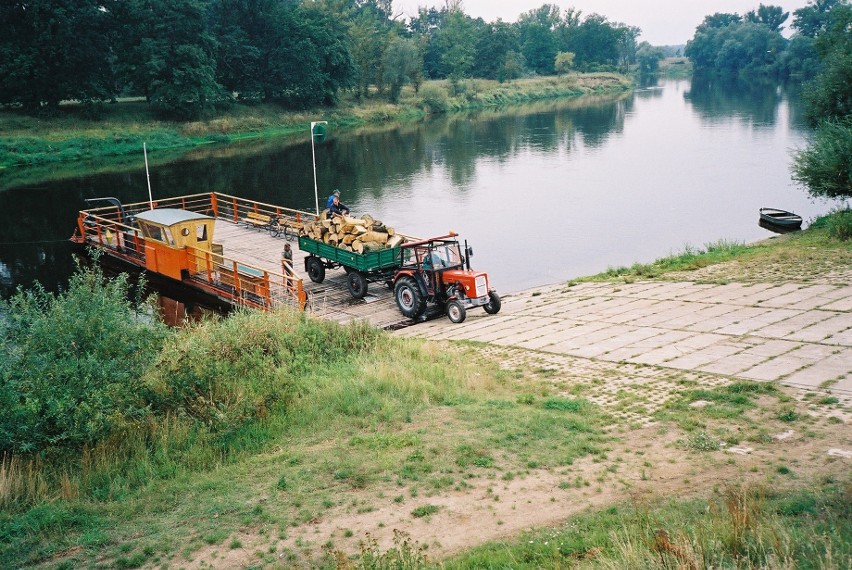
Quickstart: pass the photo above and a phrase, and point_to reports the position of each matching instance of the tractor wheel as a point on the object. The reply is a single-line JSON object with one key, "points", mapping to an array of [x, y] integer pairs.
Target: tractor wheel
{"points": [[316, 270], [357, 284], [456, 311], [492, 307], [408, 298]]}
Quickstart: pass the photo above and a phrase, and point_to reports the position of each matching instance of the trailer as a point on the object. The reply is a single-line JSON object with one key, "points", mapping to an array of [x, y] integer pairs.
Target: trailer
{"points": [[361, 268]]}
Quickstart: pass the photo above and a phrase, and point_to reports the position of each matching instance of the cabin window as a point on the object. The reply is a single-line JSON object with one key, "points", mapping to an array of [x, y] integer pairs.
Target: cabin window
{"points": [[167, 234], [201, 232], [154, 232]]}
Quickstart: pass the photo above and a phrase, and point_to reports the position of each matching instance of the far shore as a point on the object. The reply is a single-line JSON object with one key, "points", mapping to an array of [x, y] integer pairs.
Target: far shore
{"points": [[35, 149]]}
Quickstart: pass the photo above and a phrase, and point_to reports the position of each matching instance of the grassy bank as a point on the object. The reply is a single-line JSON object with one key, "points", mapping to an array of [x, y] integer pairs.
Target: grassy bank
{"points": [[32, 148], [786, 257]]}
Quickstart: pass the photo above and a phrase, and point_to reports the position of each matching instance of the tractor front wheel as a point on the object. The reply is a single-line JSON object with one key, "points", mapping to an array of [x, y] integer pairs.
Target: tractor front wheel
{"points": [[408, 298], [456, 311], [492, 307]]}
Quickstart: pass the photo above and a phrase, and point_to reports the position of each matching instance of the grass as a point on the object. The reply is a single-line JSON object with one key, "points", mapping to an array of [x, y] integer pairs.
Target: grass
{"points": [[376, 417], [780, 259], [37, 148], [808, 526]]}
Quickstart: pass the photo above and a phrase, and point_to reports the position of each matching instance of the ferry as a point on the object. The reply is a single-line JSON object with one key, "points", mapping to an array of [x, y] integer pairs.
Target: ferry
{"points": [[229, 248]]}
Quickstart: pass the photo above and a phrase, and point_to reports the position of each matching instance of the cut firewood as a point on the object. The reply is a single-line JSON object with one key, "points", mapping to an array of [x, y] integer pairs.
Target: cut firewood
{"points": [[394, 241], [357, 246], [377, 237]]}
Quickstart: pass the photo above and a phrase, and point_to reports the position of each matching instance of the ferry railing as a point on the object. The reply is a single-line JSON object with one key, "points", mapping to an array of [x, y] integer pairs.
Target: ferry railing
{"points": [[234, 280], [106, 230], [246, 284], [236, 209]]}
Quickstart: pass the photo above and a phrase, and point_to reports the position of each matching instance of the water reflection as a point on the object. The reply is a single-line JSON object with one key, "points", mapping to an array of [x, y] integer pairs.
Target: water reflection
{"points": [[545, 192]]}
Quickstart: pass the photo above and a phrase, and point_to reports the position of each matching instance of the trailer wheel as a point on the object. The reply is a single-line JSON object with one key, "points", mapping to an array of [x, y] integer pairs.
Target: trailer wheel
{"points": [[411, 304], [492, 307], [357, 284], [315, 269], [456, 311]]}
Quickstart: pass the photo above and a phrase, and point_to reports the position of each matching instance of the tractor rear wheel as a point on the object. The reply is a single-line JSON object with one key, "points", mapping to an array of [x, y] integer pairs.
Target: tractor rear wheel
{"points": [[316, 270], [408, 298], [456, 311], [492, 307]]}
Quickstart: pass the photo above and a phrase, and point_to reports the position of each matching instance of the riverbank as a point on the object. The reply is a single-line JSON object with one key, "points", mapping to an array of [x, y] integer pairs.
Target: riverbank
{"points": [[563, 457], [34, 149]]}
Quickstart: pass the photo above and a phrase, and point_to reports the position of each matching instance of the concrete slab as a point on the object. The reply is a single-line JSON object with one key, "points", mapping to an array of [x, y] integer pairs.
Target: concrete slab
{"points": [[696, 359], [794, 324], [775, 368], [822, 330], [732, 365]]}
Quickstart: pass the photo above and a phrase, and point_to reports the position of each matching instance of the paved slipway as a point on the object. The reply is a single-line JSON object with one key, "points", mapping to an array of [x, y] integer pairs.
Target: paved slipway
{"points": [[798, 334]]}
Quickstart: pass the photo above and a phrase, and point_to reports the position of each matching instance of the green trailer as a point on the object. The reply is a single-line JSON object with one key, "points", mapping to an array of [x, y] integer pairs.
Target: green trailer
{"points": [[361, 268]]}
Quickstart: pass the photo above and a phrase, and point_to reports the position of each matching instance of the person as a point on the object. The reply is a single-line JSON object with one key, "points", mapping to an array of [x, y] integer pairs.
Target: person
{"points": [[336, 206], [287, 263], [330, 200]]}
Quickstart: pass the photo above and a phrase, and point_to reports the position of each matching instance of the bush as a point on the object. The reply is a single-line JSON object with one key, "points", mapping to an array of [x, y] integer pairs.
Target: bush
{"points": [[227, 373], [434, 99], [839, 225], [825, 167], [69, 364]]}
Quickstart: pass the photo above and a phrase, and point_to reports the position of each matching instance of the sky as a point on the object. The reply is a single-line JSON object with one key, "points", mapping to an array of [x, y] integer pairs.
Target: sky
{"points": [[663, 22]]}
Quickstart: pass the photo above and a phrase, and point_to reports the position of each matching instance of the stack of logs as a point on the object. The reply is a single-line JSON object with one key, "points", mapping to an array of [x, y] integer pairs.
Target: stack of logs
{"points": [[353, 234]]}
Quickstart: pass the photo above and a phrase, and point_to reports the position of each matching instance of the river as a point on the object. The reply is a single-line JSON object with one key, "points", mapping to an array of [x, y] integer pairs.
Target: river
{"points": [[542, 193]]}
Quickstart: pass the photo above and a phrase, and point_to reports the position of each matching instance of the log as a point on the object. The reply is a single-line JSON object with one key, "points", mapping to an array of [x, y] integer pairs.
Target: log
{"points": [[348, 239], [391, 231], [357, 246], [368, 219], [373, 246], [358, 230], [395, 241], [377, 237], [353, 221]]}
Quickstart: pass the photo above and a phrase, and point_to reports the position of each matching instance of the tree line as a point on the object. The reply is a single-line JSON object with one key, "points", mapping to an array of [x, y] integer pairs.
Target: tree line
{"points": [[753, 45], [187, 57]]}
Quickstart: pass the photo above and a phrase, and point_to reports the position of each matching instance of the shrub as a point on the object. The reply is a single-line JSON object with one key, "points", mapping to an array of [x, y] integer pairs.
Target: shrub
{"points": [[226, 373], [69, 363], [839, 225], [434, 99]]}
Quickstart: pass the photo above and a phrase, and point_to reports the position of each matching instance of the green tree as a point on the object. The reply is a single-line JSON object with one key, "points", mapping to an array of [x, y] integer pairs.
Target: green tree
{"points": [[813, 19], [496, 40], [537, 34], [369, 35], [54, 50], [401, 62], [564, 62], [772, 17], [649, 57], [458, 46], [166, 52], [825, 167]]}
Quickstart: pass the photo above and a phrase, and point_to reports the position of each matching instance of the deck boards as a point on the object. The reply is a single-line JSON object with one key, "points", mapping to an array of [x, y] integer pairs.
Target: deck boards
{"points": [[329, 299]]}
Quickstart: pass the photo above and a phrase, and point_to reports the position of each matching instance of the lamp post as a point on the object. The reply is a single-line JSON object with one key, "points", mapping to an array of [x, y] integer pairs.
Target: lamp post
{"points": [[316, 133]]}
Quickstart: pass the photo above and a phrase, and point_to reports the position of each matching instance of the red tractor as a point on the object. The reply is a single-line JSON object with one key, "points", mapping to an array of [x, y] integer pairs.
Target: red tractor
{"points": [[436, 272]]}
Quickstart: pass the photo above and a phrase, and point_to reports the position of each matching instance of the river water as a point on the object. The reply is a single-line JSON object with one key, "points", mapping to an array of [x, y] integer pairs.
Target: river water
{"points": [[542, 193]]}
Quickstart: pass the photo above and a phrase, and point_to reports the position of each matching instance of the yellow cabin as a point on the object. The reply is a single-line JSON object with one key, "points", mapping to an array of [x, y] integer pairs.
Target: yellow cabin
{"points": [[173, 235]]}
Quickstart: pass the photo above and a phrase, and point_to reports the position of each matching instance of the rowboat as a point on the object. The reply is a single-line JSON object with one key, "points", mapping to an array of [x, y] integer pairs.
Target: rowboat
{"points": [[780, 219]]}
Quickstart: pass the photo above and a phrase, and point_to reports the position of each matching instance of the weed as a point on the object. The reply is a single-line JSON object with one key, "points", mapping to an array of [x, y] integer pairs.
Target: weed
{"points": [[702, 441], [424, 511]]}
